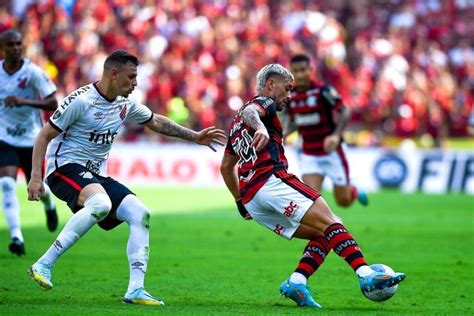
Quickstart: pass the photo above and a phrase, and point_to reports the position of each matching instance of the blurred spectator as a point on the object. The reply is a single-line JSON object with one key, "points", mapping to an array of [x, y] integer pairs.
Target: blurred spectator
{"points": [[405, 67]]}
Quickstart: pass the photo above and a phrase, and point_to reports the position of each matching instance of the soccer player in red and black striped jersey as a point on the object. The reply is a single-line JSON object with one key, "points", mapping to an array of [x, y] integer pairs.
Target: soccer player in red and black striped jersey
{"points": [[266, 192], [317, 112]]}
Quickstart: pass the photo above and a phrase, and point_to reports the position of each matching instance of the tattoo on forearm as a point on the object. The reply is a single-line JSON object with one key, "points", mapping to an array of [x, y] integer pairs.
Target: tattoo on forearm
{"points": [[170, 128], [252, 119]]}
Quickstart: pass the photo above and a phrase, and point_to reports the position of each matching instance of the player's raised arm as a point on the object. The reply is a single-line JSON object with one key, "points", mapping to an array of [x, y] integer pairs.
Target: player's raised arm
{"points": [[35, 186], [208, 136], [251, 116]]}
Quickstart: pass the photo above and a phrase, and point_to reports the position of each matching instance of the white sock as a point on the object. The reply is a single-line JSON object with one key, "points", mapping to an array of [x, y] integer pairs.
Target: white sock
{"points": [[77, 226], [11, 207], [47, 199], [135, 214], [298, 278], [364, 271]]}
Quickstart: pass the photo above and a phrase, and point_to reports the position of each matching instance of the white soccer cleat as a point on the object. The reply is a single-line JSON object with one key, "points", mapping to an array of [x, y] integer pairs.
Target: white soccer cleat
{"points": [[141, 297], [41, 274]]}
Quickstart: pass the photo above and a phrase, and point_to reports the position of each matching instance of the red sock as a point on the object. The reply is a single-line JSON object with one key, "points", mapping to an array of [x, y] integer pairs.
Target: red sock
{"points": [[354, 192], [344, 245], [313, 256]]}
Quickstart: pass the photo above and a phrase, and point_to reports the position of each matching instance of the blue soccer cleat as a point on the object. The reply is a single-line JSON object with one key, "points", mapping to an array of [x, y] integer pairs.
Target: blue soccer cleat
{"points": [[362, 197], [41, 274], [141, 297], [380, 280], [298, 293]]}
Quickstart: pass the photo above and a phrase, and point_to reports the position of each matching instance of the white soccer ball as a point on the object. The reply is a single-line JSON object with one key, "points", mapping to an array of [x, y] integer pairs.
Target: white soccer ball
{"points": [[380, 295]]}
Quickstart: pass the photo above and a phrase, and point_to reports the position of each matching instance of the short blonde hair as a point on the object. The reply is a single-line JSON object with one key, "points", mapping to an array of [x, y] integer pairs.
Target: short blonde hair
{"points": [[267, 71]]}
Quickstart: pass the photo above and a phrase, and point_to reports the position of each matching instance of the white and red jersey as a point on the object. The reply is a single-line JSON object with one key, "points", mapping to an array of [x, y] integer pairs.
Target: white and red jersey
{"points": [[20, 124], [312, 112], [89, 123], [256, 167]]}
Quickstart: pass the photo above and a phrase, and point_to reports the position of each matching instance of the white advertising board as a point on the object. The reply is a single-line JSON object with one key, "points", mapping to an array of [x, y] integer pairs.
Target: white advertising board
{"points": [[430, 171]]}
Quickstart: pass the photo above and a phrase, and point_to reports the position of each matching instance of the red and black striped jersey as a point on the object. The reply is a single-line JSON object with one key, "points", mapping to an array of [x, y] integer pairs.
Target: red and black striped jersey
{"points": [[312, 112], [254, 168]]}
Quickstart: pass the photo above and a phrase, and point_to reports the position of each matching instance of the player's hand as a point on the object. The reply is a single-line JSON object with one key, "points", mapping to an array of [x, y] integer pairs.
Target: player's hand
{"points": [[260, 139], [13, 101], [331, 142], [243, 211], [209, 136], [35, 190]]}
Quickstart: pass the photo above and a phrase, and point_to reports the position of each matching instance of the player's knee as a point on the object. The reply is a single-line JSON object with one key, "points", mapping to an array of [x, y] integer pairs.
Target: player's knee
{"points": [[142, 216], [100, 205], [8, 184]]}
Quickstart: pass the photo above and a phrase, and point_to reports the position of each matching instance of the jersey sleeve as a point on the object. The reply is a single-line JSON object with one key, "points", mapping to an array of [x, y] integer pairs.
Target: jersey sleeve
{"points": [[331, 96], [41, 83], [229, 150], [66, 114], [267, 104], [139, 113]]}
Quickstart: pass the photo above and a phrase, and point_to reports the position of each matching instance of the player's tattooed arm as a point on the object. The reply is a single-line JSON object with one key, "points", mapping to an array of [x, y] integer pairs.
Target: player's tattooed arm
{"points": [[165, 126], [208, 136], [251, 116]]}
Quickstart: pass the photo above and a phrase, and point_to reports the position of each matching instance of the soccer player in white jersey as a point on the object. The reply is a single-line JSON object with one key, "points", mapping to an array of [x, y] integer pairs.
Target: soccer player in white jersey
{"points": [[82, 131], [24, 90]]}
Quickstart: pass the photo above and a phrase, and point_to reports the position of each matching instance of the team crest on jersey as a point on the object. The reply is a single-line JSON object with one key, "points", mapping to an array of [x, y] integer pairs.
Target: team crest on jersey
{"points": [[123, 111], [22, 83]]}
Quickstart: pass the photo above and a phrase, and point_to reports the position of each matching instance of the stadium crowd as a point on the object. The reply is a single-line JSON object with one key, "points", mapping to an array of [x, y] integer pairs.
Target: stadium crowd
{"points": [[405, 68]]}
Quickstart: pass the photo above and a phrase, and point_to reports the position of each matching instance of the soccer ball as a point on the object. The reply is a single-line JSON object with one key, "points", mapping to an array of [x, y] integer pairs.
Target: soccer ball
{"points": [[380, 295]]}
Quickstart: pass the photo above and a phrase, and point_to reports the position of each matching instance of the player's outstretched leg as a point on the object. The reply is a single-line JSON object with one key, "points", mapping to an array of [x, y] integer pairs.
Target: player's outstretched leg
{"points": [[295, 287], [95, 209], [50, 210], [41, 274], [346, 247], [132, 211]]}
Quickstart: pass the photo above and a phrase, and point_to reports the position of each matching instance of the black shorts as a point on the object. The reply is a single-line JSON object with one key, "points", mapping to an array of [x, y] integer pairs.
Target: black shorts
{"points": [[67, 181], [16, 156]]}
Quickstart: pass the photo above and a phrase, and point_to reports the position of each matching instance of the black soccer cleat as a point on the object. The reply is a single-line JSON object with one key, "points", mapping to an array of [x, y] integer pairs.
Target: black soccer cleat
{"points": [[17, 247], [52, 219]]}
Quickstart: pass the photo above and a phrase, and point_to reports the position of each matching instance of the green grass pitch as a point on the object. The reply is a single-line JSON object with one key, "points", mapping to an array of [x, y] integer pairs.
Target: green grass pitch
{"points": [[206, 260]]}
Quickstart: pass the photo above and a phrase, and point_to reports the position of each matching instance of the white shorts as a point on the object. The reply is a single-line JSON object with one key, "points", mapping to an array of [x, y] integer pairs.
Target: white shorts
{"points": [[280, 205], [333, 165]]}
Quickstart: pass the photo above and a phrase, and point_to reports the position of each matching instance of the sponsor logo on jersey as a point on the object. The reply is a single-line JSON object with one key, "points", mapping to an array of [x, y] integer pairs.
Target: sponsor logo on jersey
{"points": [[98, 115], [17, 131], [22, 83], [67, 100], [94, 166], [86, 175], [307, 119], [102, 138]]}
